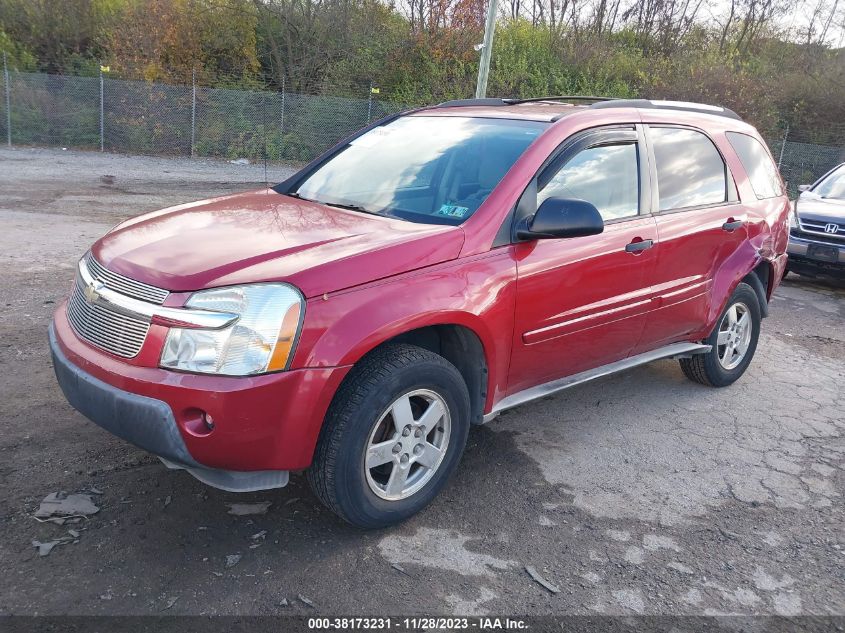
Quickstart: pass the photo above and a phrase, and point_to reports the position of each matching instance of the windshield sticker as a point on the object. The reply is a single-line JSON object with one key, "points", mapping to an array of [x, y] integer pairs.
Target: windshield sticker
{"points": [[373, 137], [452, 211]]}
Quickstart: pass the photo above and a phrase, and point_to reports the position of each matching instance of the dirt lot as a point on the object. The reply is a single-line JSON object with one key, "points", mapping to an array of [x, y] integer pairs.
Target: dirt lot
{"points": [[640, 493]]}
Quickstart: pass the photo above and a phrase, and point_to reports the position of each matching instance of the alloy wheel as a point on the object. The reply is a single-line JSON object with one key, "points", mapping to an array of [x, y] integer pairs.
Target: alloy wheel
{"points": [[734, 336], [407, 444]]}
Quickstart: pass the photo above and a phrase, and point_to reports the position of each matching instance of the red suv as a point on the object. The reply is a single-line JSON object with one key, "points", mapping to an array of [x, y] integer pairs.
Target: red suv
{"points": [[434, 269]]}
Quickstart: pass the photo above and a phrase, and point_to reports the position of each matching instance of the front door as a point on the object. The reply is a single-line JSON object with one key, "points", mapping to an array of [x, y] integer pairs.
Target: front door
{"points": [[581, 301]]}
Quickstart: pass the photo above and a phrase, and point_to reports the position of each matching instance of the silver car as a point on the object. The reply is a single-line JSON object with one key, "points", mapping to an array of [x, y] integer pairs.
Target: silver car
{"points": [[817, 227]]}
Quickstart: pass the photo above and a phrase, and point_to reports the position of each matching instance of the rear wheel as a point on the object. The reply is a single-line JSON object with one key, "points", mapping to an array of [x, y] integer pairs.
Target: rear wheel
{"points": [[733, 342], [392, 437]]}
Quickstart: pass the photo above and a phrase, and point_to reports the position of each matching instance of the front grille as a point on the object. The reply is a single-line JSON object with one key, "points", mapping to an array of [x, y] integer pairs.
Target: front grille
{"points": [[822, 238], [817, 227], [124, 285], [115, 332]]}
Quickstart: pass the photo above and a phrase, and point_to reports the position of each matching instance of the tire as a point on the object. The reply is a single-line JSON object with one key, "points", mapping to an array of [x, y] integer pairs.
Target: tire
{"points": [[367, 422], [717, 368]]}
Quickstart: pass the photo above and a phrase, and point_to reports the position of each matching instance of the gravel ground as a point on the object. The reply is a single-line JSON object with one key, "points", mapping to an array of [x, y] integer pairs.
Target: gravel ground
{"points": [[639, 493]]}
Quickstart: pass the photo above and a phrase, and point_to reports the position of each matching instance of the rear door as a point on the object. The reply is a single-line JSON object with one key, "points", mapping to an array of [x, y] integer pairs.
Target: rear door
{"points": [[700, 223], [581, 301]]}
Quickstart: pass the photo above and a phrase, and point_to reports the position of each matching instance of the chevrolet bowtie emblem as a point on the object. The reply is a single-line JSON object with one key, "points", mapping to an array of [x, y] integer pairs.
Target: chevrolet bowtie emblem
{"points": [[92, 290]]}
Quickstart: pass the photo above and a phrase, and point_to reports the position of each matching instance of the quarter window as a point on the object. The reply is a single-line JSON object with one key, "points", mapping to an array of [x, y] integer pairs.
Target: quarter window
{"points": [[758, 164], [690, 170], [606, 176]]}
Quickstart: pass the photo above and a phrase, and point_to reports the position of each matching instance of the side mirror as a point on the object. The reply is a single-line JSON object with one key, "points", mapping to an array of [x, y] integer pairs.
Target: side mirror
{"points": [[562, 217], [804, 187]]}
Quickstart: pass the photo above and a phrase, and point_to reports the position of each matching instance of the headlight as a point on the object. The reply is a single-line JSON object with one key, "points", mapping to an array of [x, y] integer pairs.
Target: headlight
{"points": [[261, 340], [793, 219]]}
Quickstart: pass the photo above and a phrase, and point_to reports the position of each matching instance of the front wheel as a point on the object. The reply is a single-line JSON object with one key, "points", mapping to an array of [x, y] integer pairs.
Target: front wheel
{"points": [[393, 435], [733, 342]]}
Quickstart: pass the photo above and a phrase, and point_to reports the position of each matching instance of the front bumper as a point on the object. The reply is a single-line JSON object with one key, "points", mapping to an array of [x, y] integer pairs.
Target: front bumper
{"points": [[262, 424], [803, 261], [145, 422], [149, 424]]}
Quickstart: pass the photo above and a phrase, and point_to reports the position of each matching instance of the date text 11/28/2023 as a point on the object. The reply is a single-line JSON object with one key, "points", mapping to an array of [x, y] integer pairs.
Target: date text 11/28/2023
{"points": [[419, 623]]}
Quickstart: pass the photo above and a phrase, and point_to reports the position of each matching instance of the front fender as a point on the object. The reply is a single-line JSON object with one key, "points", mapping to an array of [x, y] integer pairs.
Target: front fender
{"points": [[475, 292]]}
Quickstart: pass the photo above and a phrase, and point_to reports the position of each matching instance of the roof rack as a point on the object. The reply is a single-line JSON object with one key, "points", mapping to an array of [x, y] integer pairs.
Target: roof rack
{"points": [[668, 105], [599, 102], [491, 101], [458, 103], [564, 98]]}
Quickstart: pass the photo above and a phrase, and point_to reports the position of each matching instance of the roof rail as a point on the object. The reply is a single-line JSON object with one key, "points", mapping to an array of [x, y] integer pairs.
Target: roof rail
{"points": [[599, 102], [668, 105], [492, 101], [560, 98], [457, 103]]}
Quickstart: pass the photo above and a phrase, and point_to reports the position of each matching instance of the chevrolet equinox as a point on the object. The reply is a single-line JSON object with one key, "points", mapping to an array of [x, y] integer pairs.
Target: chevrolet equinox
{"points": [[432, 270]]}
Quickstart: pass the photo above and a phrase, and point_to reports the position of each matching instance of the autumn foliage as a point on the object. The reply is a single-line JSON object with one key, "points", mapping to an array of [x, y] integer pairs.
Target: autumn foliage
{"points": [[420, 51]]}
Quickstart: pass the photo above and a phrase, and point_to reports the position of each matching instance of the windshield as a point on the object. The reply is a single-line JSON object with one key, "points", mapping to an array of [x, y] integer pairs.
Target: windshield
{"points": [[429, 169], [833, 186]]}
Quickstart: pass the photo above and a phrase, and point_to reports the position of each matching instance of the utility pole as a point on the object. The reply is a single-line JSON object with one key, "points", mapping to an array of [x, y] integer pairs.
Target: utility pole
{"points": [[486, 50], [8, 101]]}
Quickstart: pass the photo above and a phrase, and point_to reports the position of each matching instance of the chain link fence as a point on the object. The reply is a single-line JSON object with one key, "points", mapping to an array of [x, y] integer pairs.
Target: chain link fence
{"points": [[139, 117], [802, 163]]}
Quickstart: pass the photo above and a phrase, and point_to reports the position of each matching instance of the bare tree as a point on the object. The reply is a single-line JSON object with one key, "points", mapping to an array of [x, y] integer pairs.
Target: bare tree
{"points": [[822, 17], [664, 23], [301, 36], [754, 18]]}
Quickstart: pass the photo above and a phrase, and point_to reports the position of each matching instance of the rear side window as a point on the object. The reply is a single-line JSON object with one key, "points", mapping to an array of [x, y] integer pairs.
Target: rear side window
{"points": [[690, 170], [758, 164]]}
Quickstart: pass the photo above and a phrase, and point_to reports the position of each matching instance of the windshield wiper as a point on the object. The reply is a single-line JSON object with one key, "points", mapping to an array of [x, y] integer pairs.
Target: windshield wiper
{"points": [[339, 205], [351, 207]]}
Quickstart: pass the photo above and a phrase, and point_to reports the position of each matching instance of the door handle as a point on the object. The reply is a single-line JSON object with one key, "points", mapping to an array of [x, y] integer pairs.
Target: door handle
{"points": [[641, 245], [732, 225]]}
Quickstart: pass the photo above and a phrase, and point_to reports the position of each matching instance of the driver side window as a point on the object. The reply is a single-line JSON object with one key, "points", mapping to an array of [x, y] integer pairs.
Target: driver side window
{"points": [[605, 175]]}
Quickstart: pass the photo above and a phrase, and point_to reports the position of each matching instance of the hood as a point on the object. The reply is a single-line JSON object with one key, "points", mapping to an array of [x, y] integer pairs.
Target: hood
{"points": [[266, 236], [823, 209]]}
